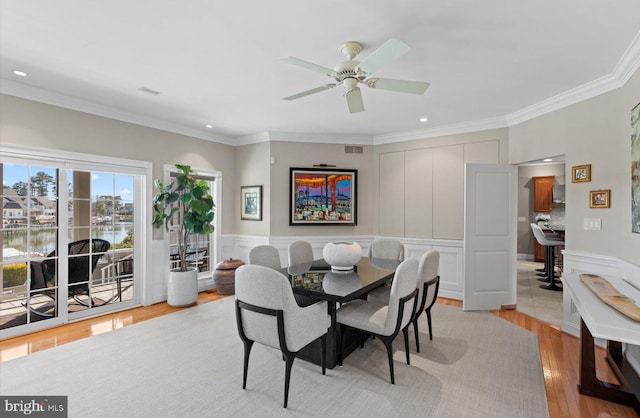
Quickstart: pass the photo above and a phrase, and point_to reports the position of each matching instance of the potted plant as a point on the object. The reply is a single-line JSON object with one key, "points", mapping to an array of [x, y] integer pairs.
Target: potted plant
{"points": [[188, 199]]}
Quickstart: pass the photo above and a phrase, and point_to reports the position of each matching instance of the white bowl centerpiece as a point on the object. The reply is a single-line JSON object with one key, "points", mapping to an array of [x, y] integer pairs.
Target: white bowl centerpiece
{"points": [[342, 256]]}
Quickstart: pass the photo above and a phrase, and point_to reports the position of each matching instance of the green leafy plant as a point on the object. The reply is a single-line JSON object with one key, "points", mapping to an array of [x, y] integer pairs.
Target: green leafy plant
{"points": [[190, 200]]}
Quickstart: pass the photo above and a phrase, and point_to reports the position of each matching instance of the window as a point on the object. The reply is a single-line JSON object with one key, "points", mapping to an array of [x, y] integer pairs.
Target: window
{"points": [[201, 249]]}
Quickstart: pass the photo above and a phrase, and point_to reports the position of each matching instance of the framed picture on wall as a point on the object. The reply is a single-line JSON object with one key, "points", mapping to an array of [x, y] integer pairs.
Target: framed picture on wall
{"points": [[251, 203], [581, 173], [318, 196], [600, 199]]}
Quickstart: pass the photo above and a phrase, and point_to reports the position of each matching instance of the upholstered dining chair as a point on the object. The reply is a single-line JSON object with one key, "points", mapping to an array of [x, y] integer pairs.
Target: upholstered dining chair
{"points": [[265, 255], [385, 320], [300, 252], [267, 313], [427, 284], [386, 248]]}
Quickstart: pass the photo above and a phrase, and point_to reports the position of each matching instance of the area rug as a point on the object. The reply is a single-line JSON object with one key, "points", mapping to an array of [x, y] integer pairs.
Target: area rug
{"points": [[189, 364]]}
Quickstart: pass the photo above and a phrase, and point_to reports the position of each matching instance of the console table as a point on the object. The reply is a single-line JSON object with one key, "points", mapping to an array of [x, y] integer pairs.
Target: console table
{"points": [[598, 320]]}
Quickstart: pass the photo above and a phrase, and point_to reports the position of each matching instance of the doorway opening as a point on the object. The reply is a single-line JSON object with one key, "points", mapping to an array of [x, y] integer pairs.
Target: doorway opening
{"points": [[547, 209]]}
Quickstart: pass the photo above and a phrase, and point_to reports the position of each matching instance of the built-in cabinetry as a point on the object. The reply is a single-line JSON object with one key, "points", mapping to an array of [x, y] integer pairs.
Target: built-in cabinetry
{"points": [[421, 190], [543, 194], [542, 202]]}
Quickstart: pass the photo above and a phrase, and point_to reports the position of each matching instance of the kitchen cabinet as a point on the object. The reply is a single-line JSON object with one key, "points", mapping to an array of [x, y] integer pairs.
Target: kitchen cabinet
{"points": [[542, 202], [543, 194]]}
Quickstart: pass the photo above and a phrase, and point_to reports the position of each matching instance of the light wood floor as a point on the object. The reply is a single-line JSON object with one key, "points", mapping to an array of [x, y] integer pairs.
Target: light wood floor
{"points": [[560, 353]]}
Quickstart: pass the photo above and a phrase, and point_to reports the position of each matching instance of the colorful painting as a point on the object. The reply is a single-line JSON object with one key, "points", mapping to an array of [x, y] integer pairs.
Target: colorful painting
{"points": [[322, 197], [635, 169]]}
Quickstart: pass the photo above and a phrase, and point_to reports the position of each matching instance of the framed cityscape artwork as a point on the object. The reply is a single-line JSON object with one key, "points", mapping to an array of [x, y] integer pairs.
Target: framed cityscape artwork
{"points": [[322, 197]]}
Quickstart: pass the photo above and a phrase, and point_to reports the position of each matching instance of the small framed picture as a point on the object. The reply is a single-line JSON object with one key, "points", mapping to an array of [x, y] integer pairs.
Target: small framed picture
{"points": [[251, 203], [600, 199], [581, 173]]}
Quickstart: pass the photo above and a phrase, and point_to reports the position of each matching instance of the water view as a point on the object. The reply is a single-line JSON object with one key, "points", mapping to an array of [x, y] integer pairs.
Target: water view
{"points": [[43, 240]]}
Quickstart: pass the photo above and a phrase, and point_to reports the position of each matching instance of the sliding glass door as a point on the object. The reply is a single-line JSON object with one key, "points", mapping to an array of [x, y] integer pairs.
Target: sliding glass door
{"points": [[68, 241], [101, 233]]}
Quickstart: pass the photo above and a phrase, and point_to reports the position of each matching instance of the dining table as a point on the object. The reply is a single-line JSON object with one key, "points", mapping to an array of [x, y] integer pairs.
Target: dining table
{"points": [[315, 281]]}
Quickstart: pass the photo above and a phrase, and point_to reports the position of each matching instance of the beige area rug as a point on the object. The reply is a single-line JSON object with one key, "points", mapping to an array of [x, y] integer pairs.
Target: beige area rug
{"points": [[189, 364]]}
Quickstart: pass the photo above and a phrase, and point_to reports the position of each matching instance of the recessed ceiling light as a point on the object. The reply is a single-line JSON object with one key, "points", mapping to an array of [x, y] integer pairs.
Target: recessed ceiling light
{"points": [[208, 126], [424, 119], [20, 73], [546, 160]]}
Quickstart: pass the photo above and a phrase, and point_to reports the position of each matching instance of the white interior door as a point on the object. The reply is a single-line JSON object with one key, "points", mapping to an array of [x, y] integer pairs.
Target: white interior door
{"points": [[490, 232]]}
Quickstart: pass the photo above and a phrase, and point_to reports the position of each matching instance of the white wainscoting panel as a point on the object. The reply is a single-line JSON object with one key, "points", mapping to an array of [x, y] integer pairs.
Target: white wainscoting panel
{"points": [[451, 253], [159, 271]]}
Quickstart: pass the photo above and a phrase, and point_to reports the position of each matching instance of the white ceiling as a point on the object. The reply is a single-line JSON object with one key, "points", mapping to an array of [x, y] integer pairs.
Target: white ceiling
{"points": [[218, 62]]}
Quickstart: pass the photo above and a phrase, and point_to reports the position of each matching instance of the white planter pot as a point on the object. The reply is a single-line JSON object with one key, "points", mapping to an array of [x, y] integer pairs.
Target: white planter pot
{"points": [[342, 256], [182, 288]]}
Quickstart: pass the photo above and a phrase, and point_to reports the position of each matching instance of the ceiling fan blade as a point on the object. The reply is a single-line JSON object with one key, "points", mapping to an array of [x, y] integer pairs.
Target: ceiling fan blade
{"points": [[354, 101], [309, 66], [387, 52], [308, 92], [403, 86]]}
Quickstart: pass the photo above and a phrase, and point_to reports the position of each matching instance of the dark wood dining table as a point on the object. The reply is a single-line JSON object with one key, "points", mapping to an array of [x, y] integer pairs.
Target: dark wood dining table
{"points": [[315, 281]]}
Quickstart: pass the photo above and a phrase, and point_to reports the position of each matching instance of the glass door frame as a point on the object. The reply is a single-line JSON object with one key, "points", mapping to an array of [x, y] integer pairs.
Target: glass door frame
{"points": [[64, 161]]}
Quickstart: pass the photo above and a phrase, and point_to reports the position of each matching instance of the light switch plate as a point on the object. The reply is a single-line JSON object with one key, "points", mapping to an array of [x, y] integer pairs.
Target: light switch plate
{"points": [[522, 219], [592, 224]]}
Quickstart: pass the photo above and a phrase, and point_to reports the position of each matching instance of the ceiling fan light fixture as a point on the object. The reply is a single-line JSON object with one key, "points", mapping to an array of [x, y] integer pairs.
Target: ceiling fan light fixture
{"points": [[350, 84], [208, 126], [424, 119]]}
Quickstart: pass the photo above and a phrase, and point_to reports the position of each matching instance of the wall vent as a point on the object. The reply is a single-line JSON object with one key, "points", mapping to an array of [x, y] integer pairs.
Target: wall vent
{"points": [[353, 149]]}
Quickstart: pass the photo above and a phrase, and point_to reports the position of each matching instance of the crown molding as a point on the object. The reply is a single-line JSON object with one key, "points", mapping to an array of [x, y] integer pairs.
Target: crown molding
{"points": [[319, 138], [624, 69], [252, 139], [454, 129], [630, 61], [24, 91]]}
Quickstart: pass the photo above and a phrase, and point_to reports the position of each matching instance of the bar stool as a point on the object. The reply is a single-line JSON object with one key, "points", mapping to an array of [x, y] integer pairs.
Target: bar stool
{"points": [[549, 255]]}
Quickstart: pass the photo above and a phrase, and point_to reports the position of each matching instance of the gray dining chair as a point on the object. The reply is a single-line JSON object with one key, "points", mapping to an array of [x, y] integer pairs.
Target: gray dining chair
{"points": [[386, 248], [385, 321], [267, 313], [265, 255], [300, 252], [427, 285]]}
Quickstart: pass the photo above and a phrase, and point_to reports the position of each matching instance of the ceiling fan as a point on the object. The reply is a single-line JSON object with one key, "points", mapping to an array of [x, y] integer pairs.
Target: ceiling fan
{"points": [[350, 72]]}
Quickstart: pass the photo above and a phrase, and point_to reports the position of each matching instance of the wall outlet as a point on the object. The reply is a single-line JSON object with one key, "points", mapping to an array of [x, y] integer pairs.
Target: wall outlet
{"points": [[592, 224]]}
